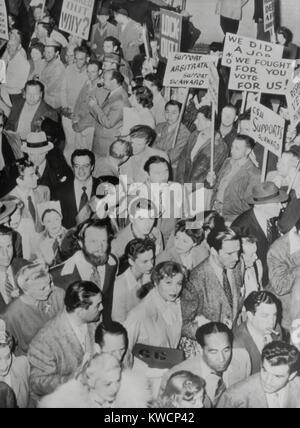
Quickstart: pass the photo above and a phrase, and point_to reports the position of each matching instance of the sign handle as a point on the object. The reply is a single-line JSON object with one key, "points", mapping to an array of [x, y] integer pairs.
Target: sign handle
{"points": [[212, 151], [244, 103], [294, 179], [265, 164], [43, 9], [181, 117]]}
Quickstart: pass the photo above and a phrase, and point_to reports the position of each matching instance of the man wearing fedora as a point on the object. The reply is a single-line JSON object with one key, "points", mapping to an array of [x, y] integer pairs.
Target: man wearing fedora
{"points": [[102, 29], [259, 221], [28, 112], [50, 165], [130, 34]]}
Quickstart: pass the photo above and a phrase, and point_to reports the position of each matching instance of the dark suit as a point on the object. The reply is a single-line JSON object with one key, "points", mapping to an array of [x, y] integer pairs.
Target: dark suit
{"points": [[57, 171], [16, 266], [243, 339], [44, 111], [247, 224], [111, 268], [66, 195], [7, 153]]}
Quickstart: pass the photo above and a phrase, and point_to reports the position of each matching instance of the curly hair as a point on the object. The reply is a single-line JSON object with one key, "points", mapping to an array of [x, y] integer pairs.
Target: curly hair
{"points": [[196, 235], [281, 353], [143, 96], [138, 246]]}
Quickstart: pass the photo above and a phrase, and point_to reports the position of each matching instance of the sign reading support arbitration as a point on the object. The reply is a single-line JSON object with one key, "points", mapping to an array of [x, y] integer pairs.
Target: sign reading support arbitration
{"points": [[186, 70], [267, 128], [3, 21], [76, 17], [261, 75], [244, 46], [170, 33]]}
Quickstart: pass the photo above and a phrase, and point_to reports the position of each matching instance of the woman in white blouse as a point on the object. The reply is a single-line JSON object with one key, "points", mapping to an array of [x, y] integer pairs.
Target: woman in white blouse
{"points": [[140, 113]]}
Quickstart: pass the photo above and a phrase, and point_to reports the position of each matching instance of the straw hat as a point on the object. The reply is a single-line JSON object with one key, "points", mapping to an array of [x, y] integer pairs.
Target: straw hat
{"points": [[36, 142]]}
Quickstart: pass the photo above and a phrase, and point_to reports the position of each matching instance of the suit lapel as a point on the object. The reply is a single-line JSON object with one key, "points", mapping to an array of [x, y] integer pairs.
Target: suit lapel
{"points": [[257, 226]]}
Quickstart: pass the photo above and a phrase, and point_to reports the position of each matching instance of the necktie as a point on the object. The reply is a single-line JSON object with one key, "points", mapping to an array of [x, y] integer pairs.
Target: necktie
{"points": [[84, 199], [272, 232], [221, 388], [9, 289], [227, 288], [38, 173], [31, 208], [95, 278]]}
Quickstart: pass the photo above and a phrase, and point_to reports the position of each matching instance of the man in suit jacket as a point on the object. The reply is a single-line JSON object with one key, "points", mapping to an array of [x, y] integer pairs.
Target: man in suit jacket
{"points": [[91, 263], [66, 342], [231, 14], [28, 112], [260, 328], [130, 34], [9, 268], [228, 365], [235, 181], [258, 222], [276, 387], [109, 115], [213, 292], [51, 166], [75, 194]]}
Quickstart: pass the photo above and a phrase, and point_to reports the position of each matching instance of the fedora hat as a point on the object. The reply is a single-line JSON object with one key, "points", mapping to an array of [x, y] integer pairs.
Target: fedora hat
{"points": [[267, 193], [36, 142], [6, 209]]}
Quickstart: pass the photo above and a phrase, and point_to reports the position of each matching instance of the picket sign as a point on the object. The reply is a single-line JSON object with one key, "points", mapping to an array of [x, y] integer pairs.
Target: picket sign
{"points": [[267, 129], [76, 17], [170, 33], [293, 100], [3, 21], [269, 18]]}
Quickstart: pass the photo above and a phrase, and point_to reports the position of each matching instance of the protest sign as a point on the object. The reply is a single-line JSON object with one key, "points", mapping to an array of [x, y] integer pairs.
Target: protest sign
{"points": [[186, 70], [267, 129], [269, 15], [170, 33], [76, 17], [3, 21], [263, 75], [246, 47], [293, 100]]}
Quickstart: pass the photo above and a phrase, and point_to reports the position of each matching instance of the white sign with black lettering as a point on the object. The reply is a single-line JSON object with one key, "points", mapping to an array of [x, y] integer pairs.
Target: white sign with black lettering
{"points": [[293, 100], [76, 17]]}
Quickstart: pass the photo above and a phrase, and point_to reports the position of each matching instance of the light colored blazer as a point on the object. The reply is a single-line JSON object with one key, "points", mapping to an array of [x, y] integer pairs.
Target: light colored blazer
{"points": [[231, 8], [55, 354], [249, 394], [131, 38], [19, 374]]}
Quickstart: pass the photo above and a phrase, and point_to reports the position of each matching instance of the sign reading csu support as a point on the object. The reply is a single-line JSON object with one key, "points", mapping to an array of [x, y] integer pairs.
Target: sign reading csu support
{"points": [[186, 70], [267, 128], [293, 100], [170, 33], [261, 75], [269, 11], [246, 47], [3, 21], [76, 17]]}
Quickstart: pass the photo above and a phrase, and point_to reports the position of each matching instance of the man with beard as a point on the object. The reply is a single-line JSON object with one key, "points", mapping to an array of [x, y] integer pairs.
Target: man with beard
{"points": [[67, 342], [92, 263]]}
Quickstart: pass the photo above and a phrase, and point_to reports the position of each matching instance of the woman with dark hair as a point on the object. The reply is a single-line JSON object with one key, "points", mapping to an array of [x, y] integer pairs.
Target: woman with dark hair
{"points": [[7, 397], [140, 112], [285, 37], [37, 61]]}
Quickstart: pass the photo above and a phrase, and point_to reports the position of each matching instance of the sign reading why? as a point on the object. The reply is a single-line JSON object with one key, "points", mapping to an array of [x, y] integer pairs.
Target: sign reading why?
{"points": [[261, 75], [293, 100], [170, 33], [267, 128], [186, 70], [76, 17], [3, 21], [246, 47]]}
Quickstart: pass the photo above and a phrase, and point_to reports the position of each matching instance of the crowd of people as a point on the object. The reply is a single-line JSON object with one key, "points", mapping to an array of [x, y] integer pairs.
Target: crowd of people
{"points": [[132, 275]]}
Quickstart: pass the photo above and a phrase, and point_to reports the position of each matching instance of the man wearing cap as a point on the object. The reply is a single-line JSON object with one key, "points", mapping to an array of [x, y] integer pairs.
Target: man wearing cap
{"points": [[130, 34], [259, 221], [50, 165], [284, 261], [53, 73], [102, 29], [28, 112]]}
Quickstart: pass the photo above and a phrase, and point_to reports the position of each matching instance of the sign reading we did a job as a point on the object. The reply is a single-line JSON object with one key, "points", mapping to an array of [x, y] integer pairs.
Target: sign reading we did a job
{"points": [[186, 70], [76, 17], [267, 128], [264, 75], [170, 33], [247, 47]]}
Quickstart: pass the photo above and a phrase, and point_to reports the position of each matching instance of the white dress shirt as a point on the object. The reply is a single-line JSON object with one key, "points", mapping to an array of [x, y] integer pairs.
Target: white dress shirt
{"points": [[278, 399], [78, 190], [262, 220]]}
